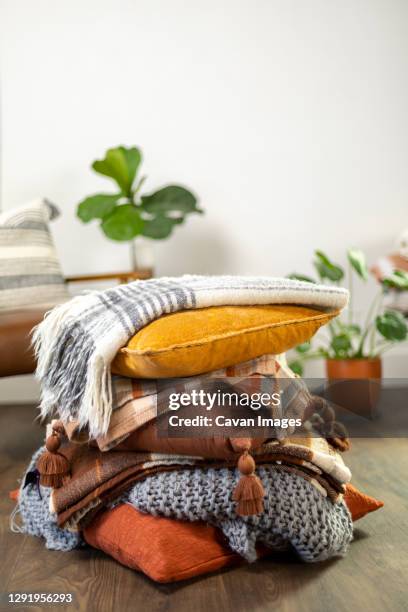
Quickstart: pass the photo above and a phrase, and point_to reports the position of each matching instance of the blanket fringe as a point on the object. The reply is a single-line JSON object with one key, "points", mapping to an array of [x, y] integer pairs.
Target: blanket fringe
{"points": [[96, 408], [45, 335], [76, 342], [14, 527]]}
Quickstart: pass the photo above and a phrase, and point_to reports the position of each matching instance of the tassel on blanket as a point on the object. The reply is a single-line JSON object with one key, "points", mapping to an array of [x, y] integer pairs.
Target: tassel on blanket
{"points": [[52, 465], [249, 492], [322, 418]]}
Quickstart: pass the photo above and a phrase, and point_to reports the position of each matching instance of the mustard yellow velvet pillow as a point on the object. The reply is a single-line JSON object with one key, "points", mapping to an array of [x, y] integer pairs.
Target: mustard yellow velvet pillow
{"points": [[192, 342]]}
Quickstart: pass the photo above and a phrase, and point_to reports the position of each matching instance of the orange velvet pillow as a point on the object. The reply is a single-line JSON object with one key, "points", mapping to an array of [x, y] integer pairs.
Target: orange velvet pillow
{"points": [[192, 342], [360, 504], [169, 550], [164, 549]]}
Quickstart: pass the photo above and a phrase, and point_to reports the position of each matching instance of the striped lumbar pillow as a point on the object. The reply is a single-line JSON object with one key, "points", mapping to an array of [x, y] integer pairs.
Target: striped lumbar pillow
{"points": [[30, 274]]}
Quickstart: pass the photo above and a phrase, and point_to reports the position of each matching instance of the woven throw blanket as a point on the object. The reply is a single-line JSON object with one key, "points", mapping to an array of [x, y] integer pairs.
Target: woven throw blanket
{"points": [[134, 400], [77, 341], [97, 478], [295, 513], [37, 520], [310, 451]]}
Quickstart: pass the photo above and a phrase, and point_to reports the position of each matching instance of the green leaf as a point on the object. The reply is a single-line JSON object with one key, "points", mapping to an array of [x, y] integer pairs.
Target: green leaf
{"points": [[159, 227], [120, 164], [358, 262], [133, 158], [301, 277], [296, 367], [392, 326], [341, 344], [97, 206], [351, 330], [397, 280], [178, 220], [123, 224], [321, 352], [327, 269], [172, 198], [303, 348]]}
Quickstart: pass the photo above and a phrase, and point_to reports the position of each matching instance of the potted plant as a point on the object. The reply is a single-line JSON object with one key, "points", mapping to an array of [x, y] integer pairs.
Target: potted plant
{"points": [[126, 214], [352, 350]]}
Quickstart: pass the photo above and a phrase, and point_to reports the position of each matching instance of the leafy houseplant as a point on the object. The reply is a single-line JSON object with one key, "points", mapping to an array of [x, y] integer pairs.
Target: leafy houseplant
{"points": [[352, 350], [126, 214]]}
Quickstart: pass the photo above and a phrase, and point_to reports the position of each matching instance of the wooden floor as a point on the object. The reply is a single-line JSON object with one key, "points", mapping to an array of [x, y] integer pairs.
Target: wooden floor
{"points": [[373, 577]]}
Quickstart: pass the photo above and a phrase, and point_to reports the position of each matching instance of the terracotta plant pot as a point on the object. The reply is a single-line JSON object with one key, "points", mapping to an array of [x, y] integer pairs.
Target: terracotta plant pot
{"points": [[355, 384]]}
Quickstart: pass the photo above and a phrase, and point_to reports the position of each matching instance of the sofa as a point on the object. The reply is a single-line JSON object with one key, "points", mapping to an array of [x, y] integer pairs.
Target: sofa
{"points": [[16, 354]]}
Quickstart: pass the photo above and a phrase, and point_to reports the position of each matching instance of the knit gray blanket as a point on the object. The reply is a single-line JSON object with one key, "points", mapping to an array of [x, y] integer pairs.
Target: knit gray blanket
{"points": [[33, 506], [296, 514], [77, 341]]}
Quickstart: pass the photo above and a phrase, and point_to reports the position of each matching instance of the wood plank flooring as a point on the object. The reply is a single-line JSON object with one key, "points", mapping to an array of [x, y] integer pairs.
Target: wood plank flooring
{"points": [[373, 577]]}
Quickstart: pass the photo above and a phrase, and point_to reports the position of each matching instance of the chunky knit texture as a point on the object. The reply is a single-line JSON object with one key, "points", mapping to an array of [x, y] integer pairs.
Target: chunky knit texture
{"points": [[295, 512], [37, 519]]}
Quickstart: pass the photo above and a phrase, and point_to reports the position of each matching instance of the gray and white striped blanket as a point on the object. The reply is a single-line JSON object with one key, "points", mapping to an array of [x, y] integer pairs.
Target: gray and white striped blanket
{"points": [[77, 341]]}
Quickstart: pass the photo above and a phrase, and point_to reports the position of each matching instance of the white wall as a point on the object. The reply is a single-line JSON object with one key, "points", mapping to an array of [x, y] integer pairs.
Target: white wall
{"points": [[288, 119]]}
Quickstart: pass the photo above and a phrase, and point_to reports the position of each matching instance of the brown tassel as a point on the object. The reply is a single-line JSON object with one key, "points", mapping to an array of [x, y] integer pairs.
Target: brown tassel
{"points": [[339, 437], [249, 492], [52, 465]]}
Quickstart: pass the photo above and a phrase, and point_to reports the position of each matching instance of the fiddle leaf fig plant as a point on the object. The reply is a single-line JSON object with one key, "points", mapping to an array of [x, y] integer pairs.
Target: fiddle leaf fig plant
{"points": [[347, 339], [125, 214]]}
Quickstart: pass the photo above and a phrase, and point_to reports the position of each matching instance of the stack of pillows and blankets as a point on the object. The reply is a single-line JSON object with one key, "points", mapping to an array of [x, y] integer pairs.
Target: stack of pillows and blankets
{"points": [[172, 507]]}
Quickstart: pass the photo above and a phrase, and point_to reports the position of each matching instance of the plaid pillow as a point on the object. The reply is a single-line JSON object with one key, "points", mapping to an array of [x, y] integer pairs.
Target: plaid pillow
{"points": [[30, 274]]}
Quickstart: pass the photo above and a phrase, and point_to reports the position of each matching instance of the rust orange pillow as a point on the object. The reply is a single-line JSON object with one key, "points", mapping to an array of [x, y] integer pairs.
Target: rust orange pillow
{"points": [[193, 342], [168, 550], [359, 503], [164, 549]]}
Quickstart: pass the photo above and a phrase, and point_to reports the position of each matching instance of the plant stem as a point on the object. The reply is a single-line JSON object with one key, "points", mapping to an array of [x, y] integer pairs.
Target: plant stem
{"points": [[382, 348], [332, 328], [360, 349], [133, 256], [138, 186], [372, 336], [369, 323], [310, 356]]}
